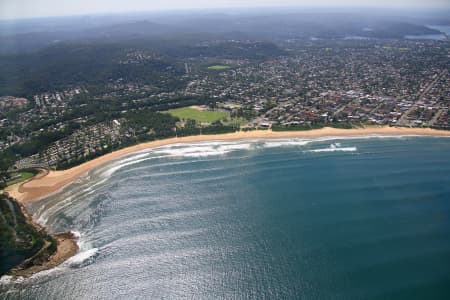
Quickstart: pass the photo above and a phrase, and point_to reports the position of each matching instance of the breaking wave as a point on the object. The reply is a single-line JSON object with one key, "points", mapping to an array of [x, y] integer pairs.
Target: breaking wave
{"points": [[97, 178], [220, 148], [82, 257], [336, 147], [202, 149]]}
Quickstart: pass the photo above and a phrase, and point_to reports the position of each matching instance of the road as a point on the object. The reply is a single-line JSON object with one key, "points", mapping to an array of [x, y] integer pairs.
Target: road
{"points": [[403, 121]]}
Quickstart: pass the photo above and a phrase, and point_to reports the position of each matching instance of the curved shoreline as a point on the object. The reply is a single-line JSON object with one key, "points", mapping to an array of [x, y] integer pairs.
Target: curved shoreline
{"points": [[43, 186], [49, 182]]}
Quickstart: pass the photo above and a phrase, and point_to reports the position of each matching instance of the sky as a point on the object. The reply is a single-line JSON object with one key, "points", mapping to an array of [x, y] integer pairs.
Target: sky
{"points": [[18, 9]]}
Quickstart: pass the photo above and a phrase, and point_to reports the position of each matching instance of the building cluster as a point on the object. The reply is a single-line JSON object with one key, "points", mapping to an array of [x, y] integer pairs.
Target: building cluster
{"points": [[82, 143], [119, 88], [56, 102], [398, 85], [8, 103], [47, 107], [137, 57], [402, 83]]}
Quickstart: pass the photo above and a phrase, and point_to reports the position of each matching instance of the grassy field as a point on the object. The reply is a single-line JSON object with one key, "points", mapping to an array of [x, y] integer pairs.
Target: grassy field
{"points": [[23, 176], [190, 113], [218, 67]]}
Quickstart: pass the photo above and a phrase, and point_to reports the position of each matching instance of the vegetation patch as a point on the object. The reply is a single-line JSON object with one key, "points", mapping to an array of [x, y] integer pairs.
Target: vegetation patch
{"points": [[19, 177], [218, 67]]}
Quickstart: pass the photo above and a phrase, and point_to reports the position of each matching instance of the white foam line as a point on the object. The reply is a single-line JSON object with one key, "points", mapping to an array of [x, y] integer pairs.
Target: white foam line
{"points": [[369, 136], [345, 149], [112, 169], [6, 279], [286, 143], [47, 272], [81, 257], [203, 150], [218, 148]]}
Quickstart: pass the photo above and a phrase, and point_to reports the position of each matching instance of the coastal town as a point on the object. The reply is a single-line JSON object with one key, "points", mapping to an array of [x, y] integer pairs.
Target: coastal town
{"points": [[224, 149], [315, 84]]}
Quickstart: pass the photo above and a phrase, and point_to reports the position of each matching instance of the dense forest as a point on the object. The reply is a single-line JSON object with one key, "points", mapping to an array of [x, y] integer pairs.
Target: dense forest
{"points": [[94, 64], [61, 66]]}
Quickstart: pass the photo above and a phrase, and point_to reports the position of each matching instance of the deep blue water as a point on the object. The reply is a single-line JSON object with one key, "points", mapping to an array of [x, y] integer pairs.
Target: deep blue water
{"points": [[292, 219]]}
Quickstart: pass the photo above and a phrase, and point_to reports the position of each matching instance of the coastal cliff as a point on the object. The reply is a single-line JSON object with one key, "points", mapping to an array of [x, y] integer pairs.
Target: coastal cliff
{"points": [[25, 247]]}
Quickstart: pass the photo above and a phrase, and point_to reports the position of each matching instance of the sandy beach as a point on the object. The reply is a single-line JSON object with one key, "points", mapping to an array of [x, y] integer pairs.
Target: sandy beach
{"points": [[46, 184]]}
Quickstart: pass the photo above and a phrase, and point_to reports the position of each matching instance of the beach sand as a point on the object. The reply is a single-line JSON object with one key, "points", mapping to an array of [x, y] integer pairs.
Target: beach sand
{"points": [[46, 184]]}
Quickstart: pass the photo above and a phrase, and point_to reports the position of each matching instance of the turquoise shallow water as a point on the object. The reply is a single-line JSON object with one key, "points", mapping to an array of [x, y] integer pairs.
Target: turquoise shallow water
{"points": [[289, 219]]}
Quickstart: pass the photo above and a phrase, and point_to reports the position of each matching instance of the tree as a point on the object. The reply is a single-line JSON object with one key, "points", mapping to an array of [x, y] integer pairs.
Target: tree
{"points": [[6, 161]]}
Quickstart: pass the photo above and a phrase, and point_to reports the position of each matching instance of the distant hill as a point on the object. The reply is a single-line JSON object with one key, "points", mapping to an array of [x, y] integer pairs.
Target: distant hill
{"points": [[32, 35]]}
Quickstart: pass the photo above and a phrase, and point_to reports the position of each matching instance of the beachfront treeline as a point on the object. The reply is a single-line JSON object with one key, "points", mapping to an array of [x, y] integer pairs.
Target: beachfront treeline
{"points": [[146, 125]]}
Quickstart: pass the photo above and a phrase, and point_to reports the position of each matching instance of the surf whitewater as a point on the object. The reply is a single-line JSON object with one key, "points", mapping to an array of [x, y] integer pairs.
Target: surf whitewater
{"points": [[266, 218]]}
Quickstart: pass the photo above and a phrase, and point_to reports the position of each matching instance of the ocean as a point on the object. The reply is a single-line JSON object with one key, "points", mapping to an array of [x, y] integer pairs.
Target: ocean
{"points": [[330, 218]]}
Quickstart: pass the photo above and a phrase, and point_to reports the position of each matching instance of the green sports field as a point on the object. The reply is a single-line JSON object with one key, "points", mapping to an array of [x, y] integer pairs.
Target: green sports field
{"points": [[190, 113], [218, 67]]}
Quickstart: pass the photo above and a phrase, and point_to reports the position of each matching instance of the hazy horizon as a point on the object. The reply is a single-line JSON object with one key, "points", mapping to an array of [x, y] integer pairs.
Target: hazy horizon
{"points": [[25, 9]]}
